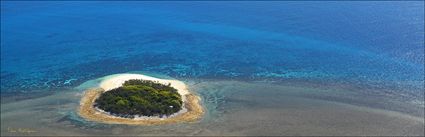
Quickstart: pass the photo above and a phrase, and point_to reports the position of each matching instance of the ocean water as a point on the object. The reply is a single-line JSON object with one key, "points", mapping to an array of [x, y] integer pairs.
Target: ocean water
{"points": [[358, 65]]}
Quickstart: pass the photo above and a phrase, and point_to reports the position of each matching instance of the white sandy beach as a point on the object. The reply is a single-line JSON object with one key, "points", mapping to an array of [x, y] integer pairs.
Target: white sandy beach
{"points": [[117, 80]]}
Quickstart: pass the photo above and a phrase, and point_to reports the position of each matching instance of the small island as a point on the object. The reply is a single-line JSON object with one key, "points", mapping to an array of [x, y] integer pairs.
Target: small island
{"points": [[140, 98], [137, 99]]}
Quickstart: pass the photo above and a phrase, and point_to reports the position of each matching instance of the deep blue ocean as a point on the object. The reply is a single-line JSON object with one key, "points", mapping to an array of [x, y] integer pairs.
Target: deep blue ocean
{"points": [[344, 68], [51, 45]]}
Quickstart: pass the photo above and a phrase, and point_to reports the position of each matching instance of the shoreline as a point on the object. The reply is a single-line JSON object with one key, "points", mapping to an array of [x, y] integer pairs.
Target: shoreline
{"points": [[190, 112]]}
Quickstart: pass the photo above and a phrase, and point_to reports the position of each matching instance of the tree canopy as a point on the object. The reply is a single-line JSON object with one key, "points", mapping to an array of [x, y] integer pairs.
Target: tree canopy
{"points": [[140, 97]]}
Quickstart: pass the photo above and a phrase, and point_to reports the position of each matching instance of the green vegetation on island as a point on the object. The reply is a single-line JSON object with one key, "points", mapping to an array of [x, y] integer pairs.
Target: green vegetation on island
{"points": [[140, 97]]}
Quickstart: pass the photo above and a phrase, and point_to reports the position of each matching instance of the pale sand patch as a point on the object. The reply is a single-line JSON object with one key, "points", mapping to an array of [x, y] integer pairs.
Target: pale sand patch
{"points": [[117, 80], [192, 110]]}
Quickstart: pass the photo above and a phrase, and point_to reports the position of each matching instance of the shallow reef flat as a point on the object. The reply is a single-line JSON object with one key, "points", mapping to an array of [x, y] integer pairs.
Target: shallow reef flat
{"points": [[231, 108]]}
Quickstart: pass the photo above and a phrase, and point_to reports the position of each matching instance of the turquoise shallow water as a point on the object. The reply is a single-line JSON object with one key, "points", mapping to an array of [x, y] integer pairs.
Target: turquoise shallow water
{"points": [[366, 54]]}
